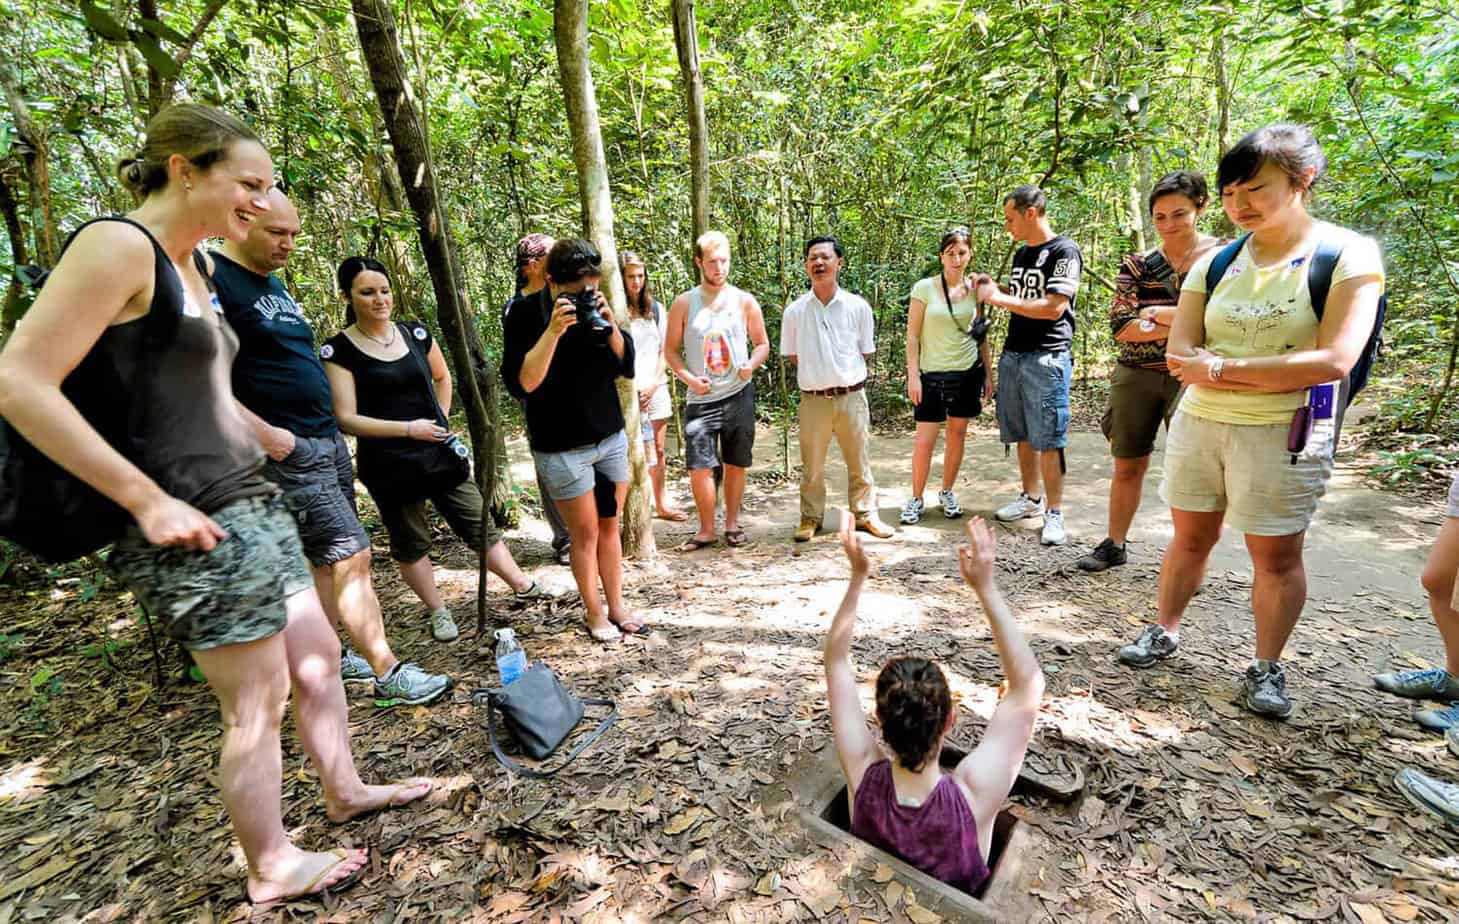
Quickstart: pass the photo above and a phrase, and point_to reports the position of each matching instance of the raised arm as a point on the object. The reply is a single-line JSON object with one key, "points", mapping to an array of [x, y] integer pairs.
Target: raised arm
{"points": [[990, 770], [855, 747]]}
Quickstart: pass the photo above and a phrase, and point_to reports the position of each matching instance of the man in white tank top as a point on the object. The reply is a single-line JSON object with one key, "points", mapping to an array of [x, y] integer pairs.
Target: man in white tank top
{"points": [[714, 343]]}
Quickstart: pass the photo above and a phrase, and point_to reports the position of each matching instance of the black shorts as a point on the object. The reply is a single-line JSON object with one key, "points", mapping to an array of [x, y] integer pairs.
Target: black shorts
{"points": [[318, 482], [951, 394], [721, 431]]}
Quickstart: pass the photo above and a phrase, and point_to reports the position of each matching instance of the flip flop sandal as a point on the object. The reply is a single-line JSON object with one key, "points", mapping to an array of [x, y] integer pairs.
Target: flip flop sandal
{"points": [[607, 635], [695, 544], [314, 891], [734, 537], [637, 627]]}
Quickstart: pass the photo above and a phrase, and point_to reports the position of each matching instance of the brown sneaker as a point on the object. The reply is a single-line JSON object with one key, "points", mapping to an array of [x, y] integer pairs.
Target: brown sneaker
{"points": [[806, 529], [872, 524]]}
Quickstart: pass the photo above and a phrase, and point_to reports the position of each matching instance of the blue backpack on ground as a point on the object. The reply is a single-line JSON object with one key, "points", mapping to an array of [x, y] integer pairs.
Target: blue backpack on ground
{"points": [[1319, 280]]}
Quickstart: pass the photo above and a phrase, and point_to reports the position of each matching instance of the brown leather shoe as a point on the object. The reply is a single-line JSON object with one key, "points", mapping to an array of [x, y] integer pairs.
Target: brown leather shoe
{"points": [[806, 529], [873, 524]]}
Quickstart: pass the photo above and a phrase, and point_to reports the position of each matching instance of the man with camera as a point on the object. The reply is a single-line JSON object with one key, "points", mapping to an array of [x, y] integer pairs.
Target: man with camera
{"points": [[561, 356], [828, 335], [283, 394], [708, 346]]}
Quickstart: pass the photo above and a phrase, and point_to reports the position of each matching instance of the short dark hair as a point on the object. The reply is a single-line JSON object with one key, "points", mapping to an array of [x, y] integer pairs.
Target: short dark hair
{"points": [[571, 259], [1290, 146], [913, 702], [1186, 183], [1027, 197], [345, 276], [824, 239]]}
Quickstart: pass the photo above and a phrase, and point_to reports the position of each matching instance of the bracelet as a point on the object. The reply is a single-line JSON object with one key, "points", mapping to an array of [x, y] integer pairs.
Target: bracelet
{"points": [[1216, 367], [407, 428]]}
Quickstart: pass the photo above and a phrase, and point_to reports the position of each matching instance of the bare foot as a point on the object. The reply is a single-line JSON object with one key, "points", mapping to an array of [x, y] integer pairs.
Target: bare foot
{"points": [[669, 513], [377, 798], [307, 874]]}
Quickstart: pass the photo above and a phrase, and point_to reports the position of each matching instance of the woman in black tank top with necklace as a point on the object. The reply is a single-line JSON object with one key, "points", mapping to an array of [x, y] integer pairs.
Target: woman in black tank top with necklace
{"points": [[392, 390], [212, 554]]}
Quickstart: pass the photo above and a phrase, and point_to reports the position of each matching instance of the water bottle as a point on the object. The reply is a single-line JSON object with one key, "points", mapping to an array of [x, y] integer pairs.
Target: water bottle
{"points": [[511, 660]]}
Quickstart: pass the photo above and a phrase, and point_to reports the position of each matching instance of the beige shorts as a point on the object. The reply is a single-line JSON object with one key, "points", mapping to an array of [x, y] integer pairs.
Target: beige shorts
{"points": [[1247, 472]]}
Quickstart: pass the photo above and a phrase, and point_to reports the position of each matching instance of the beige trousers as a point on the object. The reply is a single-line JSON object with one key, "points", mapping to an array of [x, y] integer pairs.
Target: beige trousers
{"points": [[848, 419]]}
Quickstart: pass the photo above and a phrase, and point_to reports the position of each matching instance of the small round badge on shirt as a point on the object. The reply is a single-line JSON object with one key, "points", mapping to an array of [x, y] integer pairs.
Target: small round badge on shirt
{"points": [[326, 351], [420, 333]]}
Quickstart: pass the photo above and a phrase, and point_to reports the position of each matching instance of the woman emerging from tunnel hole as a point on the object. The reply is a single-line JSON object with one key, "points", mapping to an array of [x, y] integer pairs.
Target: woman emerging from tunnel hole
{"points": [[899, 797]]}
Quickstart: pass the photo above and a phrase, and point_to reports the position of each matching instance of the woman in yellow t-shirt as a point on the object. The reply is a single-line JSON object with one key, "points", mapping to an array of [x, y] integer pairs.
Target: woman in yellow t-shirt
{"points": [[1253, 355], [947, 370]]}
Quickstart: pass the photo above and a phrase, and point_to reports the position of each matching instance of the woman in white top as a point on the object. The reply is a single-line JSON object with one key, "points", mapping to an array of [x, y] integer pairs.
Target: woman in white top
{"points": [[647, 320], [1253, 439]]}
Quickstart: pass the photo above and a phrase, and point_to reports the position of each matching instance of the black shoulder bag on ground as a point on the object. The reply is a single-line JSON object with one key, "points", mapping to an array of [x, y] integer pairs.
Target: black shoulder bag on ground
{"points": [[978, 329], [44, 508], [444, 465], [540, 713]]}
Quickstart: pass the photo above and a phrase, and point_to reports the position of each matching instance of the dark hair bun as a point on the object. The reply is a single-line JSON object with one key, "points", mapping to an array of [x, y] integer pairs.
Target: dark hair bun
{"points": [[913, 702]]}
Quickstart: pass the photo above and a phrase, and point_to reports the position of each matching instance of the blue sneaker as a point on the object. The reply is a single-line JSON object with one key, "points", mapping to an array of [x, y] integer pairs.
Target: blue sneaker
{"points": [[1431, 795], [355, 669], [1451, 738], [1438, 720], [408, 685], [1434, 683]]}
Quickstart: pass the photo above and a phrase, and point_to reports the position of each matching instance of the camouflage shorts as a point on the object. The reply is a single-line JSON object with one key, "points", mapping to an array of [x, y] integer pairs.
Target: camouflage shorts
{"points": [[233, 594]]}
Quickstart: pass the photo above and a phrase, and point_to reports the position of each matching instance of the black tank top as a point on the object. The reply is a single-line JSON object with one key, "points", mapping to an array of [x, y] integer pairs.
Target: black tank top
{"points": [[387, 390], [185, 431]]}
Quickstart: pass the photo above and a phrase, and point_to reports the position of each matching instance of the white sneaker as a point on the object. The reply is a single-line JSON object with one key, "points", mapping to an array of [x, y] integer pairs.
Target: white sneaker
{"points": [[1020, 508], [950, 507], [1053, 533], [443, 627], [912, 511]]}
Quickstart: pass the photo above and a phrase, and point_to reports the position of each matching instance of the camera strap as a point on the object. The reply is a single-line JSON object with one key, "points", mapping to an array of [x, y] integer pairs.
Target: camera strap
{"points": [[947, 301]]}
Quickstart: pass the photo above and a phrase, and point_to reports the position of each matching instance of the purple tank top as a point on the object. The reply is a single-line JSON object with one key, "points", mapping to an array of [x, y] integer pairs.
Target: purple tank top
{"points": [[939, 837]]}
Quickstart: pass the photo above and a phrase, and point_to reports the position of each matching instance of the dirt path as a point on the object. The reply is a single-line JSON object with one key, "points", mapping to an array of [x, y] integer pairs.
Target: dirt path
{"points": [[1194, 810]]}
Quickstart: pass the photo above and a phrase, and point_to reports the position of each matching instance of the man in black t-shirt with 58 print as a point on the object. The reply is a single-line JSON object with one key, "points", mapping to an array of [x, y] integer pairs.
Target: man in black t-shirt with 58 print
{"points": [[1036, 365]]}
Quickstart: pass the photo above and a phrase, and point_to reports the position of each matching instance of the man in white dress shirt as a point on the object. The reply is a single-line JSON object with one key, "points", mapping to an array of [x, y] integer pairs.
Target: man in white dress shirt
{"points": [[827, 335]]}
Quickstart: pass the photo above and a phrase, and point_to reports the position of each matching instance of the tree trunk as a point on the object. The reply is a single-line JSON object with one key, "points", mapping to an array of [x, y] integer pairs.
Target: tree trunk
{"points": [[686, 42], [35, 153], [570, 25], [475, 374], [11, 211], [161, 87]]}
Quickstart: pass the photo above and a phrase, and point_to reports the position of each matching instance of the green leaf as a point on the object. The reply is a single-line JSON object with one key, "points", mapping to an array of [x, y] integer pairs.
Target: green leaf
{"points": [[157, 59], [164, 32], [102, 23]]}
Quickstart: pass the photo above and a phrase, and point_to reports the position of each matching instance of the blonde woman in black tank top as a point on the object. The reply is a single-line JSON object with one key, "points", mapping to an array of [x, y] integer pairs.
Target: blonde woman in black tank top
{"points": [[205, 519]]}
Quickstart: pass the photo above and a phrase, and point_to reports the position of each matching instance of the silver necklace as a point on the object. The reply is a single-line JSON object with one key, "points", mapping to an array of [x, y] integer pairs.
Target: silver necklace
{"points": [[384, 343]]}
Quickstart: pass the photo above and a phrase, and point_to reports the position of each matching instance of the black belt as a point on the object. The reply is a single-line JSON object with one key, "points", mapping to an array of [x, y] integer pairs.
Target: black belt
{"points": [[833, 392]]}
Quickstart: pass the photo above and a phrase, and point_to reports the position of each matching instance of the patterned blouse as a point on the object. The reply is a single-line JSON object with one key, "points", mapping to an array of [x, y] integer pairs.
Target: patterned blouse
{"points": [[1136, 288]]}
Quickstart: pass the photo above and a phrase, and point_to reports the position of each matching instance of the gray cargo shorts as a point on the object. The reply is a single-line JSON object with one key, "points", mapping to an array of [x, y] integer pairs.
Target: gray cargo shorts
{"points": [[318, 481]]}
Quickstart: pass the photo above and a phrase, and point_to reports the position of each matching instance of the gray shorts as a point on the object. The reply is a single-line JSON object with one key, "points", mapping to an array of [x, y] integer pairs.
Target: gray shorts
{"points": [[318, 482], [234, 594], [569, 473], [1033, 398], [1453, 510], [721, 431]]}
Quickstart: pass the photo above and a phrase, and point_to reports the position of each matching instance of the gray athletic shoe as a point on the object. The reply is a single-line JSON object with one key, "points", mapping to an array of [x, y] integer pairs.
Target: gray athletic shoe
{"points": [[1021, 507], [408, 685], [1439, 720], [355, 669], [912, 512], [443, 627], [533, 593], [1153, 644], [1451, 739], [1431, 795], [950, 507], [1266, 689], [1434, 683], [1106, 555]]}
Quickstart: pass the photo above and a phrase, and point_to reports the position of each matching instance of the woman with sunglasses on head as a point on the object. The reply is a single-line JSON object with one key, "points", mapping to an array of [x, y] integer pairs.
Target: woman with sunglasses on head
{"points": [[948, 359], [392, 390], [648, 320]]}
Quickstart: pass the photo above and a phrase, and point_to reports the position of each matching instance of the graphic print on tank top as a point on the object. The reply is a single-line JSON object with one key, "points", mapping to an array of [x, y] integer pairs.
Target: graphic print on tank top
{"points": [[716, 343], [717, 359]]}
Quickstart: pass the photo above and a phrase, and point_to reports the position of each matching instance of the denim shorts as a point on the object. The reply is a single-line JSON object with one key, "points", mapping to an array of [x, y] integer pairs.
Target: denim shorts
{"points": [[721, 432], [569, 473], [1033, 398], [318, 482]]}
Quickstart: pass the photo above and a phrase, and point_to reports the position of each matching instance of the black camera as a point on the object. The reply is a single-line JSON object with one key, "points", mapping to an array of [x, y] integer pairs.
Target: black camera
{"points": [[585, 305]]}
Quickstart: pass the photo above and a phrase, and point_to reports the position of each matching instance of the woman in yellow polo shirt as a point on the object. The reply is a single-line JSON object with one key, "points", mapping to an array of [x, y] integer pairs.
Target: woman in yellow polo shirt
{"points": [[1259, 365]]}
